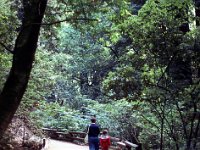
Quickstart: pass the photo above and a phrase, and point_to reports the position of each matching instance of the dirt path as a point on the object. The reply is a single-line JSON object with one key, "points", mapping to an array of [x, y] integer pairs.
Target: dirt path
{"points": [[60, 145]]}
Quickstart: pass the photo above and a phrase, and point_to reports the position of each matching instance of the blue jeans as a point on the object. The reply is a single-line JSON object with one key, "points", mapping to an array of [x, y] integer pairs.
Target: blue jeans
{"points": [[93, 143]]}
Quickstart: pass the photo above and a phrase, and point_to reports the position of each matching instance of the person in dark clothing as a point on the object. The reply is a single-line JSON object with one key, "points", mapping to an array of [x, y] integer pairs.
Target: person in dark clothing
{"points": [[93, 135]]}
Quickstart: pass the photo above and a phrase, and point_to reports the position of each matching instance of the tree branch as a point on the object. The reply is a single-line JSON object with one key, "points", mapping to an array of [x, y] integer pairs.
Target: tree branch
{"points": [[167, 67], [4, 46], [69, 19], [197, 131]]}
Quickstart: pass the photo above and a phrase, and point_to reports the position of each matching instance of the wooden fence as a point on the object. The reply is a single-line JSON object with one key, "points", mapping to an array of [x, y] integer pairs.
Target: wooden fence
{"points": [[78, 138]]}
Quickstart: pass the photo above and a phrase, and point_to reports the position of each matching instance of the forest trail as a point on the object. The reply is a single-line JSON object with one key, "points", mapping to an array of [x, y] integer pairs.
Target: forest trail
{"points": [[61, 145]]}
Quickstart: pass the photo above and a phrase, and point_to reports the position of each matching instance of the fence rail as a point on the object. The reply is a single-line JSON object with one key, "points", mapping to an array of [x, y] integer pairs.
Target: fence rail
{"points": [[78, 138]]}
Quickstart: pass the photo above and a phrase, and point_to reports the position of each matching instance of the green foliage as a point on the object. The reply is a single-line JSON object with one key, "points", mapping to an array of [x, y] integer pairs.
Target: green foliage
{"points": [[159, 43], [4, 14], [153, 106], [87, 60], [49, 68], [7, 25], [52, 115], [126, 80], [5, 63], [86, 54], [119, 121]]}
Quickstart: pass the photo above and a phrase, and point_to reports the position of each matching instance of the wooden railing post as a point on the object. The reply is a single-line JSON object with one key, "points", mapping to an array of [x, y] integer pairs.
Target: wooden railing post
{"points": [[139, 146], [43, 142]]}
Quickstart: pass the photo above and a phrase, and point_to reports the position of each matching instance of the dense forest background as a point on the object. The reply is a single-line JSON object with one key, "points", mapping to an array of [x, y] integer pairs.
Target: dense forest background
{"points": [[132, 63]]}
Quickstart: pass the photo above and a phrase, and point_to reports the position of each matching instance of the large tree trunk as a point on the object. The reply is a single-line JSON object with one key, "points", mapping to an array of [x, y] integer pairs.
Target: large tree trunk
{"points": [[24, 51]]}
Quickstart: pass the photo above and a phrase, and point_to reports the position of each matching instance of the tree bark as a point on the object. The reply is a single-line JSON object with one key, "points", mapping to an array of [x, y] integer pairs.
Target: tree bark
{"points": [[23, 57]]}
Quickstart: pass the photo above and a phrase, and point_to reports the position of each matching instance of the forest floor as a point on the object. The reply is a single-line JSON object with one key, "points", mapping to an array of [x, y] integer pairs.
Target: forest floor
{"points": [[19, 132], [61, 145]]}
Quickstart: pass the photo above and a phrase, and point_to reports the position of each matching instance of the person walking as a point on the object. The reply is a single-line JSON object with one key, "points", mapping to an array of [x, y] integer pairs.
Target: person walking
{"points": [[93, 135], [105, 140]]}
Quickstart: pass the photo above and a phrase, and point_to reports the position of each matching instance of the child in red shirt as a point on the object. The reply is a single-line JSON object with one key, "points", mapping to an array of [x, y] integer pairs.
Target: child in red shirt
{"points": [[105, 140]]}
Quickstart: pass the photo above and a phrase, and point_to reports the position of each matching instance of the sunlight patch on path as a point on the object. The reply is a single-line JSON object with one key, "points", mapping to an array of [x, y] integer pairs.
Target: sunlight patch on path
{"points": [[61, 145]]}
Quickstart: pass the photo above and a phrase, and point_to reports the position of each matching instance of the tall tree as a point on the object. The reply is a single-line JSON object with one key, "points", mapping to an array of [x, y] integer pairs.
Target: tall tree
{"points": [[23, 57], [163, 60]]}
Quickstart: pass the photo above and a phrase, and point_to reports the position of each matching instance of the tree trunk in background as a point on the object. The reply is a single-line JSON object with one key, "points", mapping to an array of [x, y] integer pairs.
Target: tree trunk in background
{"points": [[95, 89], [24, 51], [84, 83]]}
